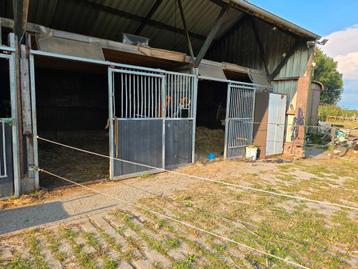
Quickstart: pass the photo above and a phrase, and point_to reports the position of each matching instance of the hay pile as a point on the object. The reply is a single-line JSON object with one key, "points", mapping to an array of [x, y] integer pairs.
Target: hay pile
{"points": [[78, 166], [209, 140]]}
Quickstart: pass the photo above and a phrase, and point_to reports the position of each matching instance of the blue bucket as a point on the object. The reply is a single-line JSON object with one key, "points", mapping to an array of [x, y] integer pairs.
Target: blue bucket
{"points": [[211, 156]]}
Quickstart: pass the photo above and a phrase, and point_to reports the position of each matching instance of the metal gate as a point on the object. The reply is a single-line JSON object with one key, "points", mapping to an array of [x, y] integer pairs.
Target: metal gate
{"points": [[276, 124], [239, 119], [152, 120], [9, 162]]}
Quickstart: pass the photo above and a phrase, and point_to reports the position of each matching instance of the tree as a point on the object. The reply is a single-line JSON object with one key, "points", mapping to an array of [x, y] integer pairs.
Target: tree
{"points": [[327, 73]]}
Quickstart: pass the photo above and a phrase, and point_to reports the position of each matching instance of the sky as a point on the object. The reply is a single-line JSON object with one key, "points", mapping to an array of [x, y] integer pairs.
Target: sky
{"points": [[335, 20]]}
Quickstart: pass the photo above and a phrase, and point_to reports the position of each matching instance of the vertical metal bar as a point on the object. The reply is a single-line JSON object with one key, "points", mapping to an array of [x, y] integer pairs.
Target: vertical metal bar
{"points": [[141, 96], [145, 79], [34, 120], [4, 149], [253, 115], [110, 117], [14, 116], [171, 86], [195, 84], [151, 94], [227, 121], [130, 96], [135, 104], [157, 105], [163, 119], [122, 75]]}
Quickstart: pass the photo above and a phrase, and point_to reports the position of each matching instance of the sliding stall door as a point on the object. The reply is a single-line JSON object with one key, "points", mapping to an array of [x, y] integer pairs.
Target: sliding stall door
{"points": [[8, 129], [153, 120], [136, 135], [276, 124], [239, 119]]}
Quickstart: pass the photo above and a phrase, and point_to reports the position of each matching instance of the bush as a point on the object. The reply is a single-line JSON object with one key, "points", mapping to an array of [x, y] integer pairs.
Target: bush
{"points": [[326, 111]]}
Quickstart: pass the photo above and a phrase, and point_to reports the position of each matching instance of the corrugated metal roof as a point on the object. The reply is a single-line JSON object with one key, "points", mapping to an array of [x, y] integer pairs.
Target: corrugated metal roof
{"points": [[87, 17]]}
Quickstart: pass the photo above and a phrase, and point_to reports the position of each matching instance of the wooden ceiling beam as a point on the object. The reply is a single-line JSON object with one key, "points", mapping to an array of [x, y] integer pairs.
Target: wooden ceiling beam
{"points": [[130, 16], [20, 10], [151, 12], [211, 36]]}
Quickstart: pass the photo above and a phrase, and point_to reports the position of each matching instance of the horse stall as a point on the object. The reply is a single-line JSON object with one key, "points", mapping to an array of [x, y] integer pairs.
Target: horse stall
{"points": [[71, 108]]}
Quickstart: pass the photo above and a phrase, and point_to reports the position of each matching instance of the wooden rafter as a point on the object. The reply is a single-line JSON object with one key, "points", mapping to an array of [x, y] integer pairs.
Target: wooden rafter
{"points": [[20, 10], [190, 47], [288, 55], [127, 15], [209, 39], [232, 29], [150, 14], [261, 48]]}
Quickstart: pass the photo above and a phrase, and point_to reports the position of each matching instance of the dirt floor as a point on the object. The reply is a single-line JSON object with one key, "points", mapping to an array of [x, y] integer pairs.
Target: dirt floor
{"points": [[73, 164], [77, 229], [209, 141]]}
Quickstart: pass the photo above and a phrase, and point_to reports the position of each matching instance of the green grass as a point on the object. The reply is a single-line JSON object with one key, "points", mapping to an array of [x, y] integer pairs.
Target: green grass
{"points": [[54, 246], [18, 263], [85, 260], [108, 262]]}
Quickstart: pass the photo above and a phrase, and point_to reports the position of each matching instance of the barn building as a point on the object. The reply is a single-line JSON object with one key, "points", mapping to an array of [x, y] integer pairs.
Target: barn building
{"points": [[139, 80]]}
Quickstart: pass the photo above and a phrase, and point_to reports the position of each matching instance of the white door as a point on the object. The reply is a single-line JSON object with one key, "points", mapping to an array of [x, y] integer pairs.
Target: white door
{"points": [[276, 124]]}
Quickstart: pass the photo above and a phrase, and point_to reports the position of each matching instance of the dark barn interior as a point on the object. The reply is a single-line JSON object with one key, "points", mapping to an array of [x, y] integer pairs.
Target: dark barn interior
{"points": [[72, 108], [211, 111], [5, 106]]}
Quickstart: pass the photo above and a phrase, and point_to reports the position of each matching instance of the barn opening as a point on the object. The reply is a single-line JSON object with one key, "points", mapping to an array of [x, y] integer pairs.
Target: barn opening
{"points": [[72, 108], [210, 121], [5, 105]]}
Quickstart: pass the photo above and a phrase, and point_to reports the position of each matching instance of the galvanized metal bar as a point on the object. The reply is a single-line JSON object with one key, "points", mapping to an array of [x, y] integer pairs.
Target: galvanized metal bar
{"points": [[163, 90], [94, 61], [14, 116], [195, 81], [3, 165], [110, 118], [6, 48], [34, 121], [122, 75], [227, 120]]}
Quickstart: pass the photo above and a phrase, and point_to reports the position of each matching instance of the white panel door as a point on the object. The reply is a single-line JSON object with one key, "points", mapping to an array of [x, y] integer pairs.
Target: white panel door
{"points": [[276, 124]]}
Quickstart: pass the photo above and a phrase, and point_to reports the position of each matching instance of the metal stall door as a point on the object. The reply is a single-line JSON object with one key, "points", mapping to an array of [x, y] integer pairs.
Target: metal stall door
{"points": [[239, 119], [179, 119], [9, 172], [136, 132], [276, 124]]}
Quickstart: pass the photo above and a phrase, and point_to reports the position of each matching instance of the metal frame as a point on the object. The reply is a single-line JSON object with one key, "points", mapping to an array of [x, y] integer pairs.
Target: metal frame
{"points": [[174, 84], [13, 99], [114, 67], [238, 86]]}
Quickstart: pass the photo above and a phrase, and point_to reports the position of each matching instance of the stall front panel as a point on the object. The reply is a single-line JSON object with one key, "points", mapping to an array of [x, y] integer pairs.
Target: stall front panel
{"points": [[239, 119], [9, 179], [276, 124], [152, 120]]}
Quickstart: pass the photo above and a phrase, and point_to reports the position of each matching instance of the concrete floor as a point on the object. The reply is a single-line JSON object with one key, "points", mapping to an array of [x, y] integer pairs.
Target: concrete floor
{"points": [[77, 203]]}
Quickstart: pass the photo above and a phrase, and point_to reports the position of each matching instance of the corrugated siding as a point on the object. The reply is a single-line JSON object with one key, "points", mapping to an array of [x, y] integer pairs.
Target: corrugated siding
{"points": [[240, 47], [77, 17]]}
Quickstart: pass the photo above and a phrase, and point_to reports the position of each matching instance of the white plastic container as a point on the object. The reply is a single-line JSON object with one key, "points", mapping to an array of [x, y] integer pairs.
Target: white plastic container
{"points": [[251, 153]]}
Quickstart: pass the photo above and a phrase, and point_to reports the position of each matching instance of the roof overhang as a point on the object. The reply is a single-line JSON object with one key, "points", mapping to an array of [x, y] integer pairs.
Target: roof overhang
{"points": [[265, 15]]}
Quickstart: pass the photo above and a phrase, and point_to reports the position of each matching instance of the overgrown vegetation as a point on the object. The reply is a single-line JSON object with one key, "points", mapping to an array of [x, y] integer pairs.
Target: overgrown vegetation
{"points": [[326, 111]]}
